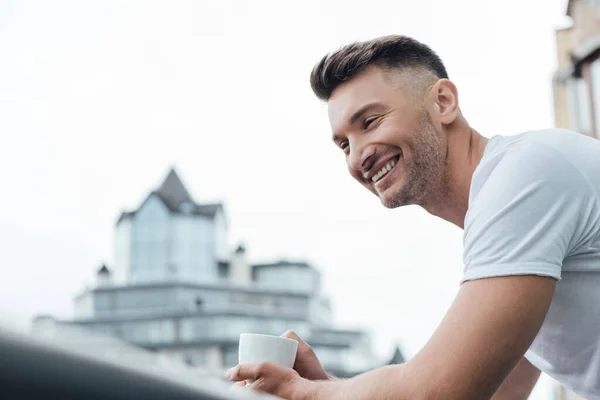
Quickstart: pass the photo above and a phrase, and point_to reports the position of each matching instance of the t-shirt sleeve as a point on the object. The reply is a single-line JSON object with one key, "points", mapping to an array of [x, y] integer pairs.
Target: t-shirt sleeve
{"points": [[528, 209]]}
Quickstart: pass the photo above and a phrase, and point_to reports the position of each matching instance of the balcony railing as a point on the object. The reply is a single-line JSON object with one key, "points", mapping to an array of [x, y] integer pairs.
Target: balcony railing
{"points": [[32, 369]]}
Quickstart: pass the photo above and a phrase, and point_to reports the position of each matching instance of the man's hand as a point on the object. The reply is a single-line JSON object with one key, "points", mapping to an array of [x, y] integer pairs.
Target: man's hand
{"points": [[281, 381], [274, 379], [307, 364]]}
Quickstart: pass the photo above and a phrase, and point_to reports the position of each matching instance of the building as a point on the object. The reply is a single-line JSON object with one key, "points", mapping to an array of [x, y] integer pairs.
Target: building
{"points": [[577, 81], [577, 84], [177, 290]]}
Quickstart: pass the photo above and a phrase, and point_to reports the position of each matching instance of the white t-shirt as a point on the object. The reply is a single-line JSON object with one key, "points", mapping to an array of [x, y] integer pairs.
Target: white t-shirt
{"points": [[534, 209]]}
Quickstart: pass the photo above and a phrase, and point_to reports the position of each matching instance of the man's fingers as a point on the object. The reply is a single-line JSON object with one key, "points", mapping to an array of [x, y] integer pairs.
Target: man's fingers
{"points": [[240, 384], [292, 335], [307, 364], [241, 372], [265, 377], [304, 348]]}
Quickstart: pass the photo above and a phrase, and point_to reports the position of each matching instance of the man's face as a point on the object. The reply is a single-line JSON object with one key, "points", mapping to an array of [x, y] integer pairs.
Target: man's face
{"points": [[391, 146]]}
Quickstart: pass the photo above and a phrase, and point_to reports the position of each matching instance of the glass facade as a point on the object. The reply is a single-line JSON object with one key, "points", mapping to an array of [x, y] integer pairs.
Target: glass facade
{"points": [[193, 251], [150, 242], [216, 328], [139, 332], [291, 278], [579, 105], [156, 244], [156, 300], [119, 302], [595, 75], [159, 331], [228, 328]]}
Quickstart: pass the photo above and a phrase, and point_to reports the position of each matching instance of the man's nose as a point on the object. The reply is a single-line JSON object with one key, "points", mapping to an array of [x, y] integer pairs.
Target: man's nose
{"points": [[361, 159]]}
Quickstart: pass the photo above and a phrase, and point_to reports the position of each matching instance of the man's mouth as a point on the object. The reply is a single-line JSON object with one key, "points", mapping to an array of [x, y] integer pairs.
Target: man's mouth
{"points": [[385, 169]]}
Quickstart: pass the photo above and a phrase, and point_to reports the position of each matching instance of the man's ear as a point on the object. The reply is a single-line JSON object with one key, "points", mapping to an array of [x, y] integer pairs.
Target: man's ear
{"points": [[445, 98]]}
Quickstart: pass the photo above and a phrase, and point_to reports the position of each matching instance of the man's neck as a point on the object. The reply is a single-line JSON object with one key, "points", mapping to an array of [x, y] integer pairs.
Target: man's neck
{"points": [[465, 151]]}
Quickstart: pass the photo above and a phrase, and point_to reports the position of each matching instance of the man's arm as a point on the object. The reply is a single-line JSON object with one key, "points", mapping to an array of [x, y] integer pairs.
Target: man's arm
{"points": [[485, 333], [487, 330], [519, 384]]}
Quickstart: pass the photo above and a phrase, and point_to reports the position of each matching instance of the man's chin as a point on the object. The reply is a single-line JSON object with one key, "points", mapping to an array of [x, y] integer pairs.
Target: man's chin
{"points": [[394, 197], [390, 201]]}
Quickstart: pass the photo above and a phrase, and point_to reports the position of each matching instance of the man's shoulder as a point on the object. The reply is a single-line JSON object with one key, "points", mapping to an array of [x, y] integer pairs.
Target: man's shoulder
{"points": [[552, 148], [552, 157], [535, 141], [542, 141]]}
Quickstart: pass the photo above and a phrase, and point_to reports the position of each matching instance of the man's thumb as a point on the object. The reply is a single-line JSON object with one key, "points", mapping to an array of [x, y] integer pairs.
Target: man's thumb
{"points": [[292, 335]]}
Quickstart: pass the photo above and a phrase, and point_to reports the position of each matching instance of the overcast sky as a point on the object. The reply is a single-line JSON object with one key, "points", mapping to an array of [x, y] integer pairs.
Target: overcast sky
{"points": [[99, 99]]}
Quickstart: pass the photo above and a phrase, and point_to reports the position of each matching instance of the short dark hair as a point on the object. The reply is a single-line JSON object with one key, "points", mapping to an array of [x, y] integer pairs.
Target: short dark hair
{"points": [[394, 51]]}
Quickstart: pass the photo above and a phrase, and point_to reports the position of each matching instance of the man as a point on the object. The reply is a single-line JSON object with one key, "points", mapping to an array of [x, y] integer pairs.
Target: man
{"points": [[530, 209]]}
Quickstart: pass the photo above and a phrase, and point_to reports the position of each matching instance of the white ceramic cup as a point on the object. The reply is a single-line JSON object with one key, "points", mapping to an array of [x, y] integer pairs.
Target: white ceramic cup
{"points": [[256, 348]]}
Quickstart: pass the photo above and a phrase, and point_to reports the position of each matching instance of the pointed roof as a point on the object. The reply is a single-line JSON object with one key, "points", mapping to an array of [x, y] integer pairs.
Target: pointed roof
{"points": [[173, 192], [397, 358], [240, 249], [207, 209], [103, 270]]}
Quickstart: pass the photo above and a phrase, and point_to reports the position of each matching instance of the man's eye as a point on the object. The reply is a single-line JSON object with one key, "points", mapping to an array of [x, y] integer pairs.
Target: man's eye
{"points": [[369, 121], [344, 145]]}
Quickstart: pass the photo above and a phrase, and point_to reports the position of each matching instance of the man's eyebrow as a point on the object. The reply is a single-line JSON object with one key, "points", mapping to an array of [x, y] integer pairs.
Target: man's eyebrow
{"points": [[357, 114], [367, 107]]}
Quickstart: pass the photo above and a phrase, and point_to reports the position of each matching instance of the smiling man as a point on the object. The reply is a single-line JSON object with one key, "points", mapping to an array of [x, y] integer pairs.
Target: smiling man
{"points": [[529, 205]]}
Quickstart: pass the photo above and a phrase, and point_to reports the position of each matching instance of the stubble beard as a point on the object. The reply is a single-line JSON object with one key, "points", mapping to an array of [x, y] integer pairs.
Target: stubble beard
{"points": [[425, 178]]}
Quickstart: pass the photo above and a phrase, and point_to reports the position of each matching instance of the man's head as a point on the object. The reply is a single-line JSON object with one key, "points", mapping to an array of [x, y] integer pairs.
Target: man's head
{"points": [[389, 101]]}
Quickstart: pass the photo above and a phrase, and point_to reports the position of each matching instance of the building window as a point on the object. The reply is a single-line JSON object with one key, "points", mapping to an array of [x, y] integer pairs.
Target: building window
{"points": [[230, 356], [579, 105], [198, 302], [595, 75]]}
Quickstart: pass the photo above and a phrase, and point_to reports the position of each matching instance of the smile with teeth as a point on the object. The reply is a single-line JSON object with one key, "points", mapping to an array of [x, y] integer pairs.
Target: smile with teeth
{"points": [[383, 171]]}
